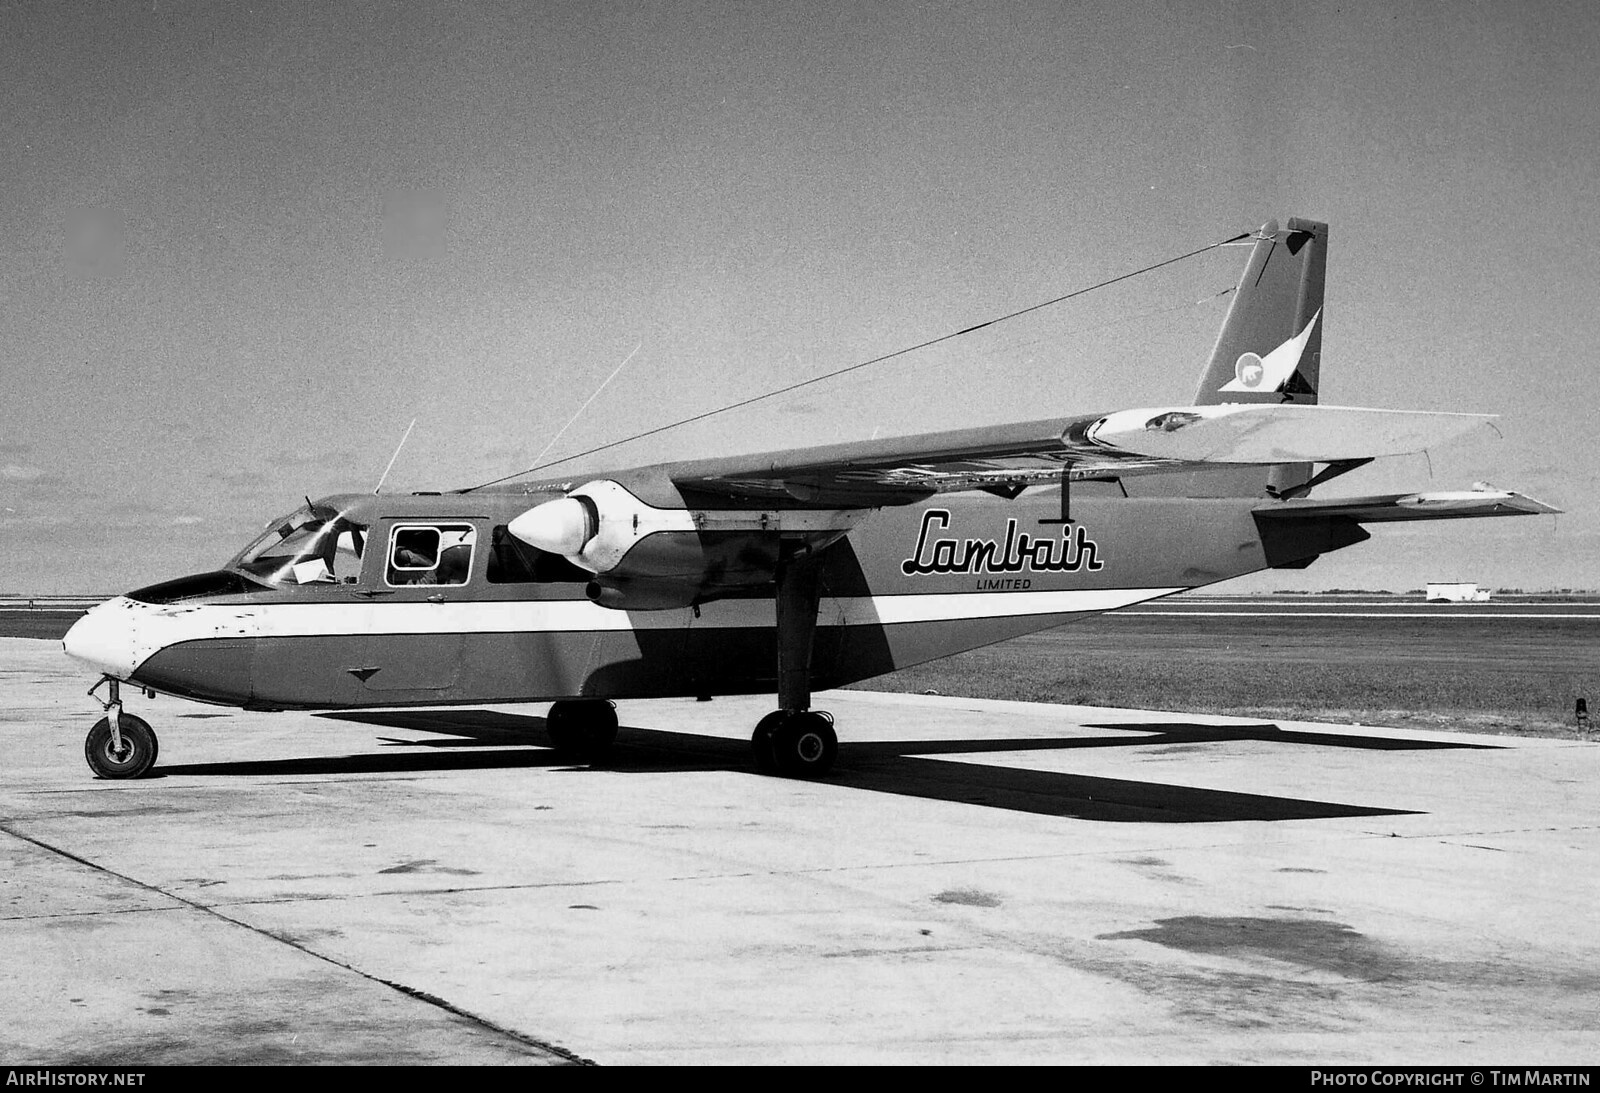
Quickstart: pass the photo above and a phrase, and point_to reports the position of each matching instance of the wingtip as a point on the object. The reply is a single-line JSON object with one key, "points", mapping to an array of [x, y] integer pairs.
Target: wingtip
{"points": [[1534, 507], [1519, 502]]}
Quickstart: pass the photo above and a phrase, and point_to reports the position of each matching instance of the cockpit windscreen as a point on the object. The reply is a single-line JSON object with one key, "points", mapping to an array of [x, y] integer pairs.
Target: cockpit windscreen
{"points": [[312, 545]]}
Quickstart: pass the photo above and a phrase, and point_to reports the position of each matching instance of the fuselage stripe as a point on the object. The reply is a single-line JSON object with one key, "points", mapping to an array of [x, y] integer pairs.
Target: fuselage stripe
{"points": [[522, 616], [121, 634], [573, 615]]}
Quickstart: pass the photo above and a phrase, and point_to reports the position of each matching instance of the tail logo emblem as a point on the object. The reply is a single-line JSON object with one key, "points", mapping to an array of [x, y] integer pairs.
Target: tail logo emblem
{"points": [[1253, 372]]}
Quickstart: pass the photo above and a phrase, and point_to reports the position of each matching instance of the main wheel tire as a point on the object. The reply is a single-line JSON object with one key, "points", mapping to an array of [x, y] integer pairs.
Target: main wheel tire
{"points": [[582, 729], [139, 748], [805, 745], [761, 741], [561, 727]]}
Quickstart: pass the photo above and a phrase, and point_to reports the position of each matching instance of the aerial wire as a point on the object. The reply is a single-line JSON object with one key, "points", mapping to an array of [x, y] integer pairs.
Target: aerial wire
{"points": [[1149, 313], [584, 407], [864, 364]]}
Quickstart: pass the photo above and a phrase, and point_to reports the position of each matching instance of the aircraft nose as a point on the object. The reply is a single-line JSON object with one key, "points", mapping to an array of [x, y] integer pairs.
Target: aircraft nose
{"points": [[105, 638]]}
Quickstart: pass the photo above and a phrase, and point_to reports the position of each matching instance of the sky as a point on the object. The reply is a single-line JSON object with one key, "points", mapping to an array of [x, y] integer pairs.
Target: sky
{"points": [[245, 245]]}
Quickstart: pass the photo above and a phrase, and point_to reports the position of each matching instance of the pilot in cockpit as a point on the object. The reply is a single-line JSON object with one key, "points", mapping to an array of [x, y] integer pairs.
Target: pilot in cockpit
{"points": [[413, 567], [431, 555]]}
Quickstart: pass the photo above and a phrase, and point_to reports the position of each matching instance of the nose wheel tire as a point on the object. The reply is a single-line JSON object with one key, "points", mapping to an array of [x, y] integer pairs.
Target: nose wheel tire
{"points": [[801, 744], [138, 752], [582, 729]]}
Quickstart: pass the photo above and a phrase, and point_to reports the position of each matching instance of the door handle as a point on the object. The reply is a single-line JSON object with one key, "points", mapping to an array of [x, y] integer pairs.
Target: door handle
{"points": [[437, 597]]}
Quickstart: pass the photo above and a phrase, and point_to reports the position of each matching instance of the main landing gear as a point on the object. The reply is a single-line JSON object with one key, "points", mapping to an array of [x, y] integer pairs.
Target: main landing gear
{"points": [[582, 729], [798, 743], [120, 745], [795, 740]]}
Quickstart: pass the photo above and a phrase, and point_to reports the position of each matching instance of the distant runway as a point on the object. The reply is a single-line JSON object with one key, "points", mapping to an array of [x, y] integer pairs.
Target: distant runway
{"points": [[977, 882], [1318, 607]]}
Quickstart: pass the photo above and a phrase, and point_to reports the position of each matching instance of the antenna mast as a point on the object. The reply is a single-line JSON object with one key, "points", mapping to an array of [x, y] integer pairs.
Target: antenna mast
{"points": [[393, 457]]}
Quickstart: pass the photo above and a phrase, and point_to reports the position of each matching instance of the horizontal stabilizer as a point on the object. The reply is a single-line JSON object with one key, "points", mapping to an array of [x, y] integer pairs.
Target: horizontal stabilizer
{"points": [[1275, 433], [1481, 500]]}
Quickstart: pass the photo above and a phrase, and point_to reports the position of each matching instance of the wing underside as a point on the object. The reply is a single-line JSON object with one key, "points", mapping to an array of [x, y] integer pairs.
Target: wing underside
{"points": [[1482, 500], [1006, 459]]}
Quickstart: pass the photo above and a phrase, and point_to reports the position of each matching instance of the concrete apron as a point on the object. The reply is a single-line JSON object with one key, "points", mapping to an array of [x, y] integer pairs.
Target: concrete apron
{"points": [[976, 882]]}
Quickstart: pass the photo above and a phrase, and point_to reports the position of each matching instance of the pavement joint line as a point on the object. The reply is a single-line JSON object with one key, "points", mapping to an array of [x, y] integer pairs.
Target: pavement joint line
{"points": [[318, 897], [1530, 830], [401, 988], [691, 877], [1441, 837], [176, 906], [1489, 833], [204, 781], [1447, 836]]}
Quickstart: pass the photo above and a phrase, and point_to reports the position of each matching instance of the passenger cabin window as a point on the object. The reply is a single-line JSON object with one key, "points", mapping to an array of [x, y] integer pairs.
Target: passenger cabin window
{"points": [[430, 554], [511, 561]]}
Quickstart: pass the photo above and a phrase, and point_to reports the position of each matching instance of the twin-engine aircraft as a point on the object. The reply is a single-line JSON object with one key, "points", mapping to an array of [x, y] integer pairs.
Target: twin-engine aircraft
{"points": [[785, 571]]}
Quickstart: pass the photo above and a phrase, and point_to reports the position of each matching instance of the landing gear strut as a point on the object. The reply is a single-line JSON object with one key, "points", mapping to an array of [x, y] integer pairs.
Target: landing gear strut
{"points": [[120, 745], [582, 729], [796, 740]]}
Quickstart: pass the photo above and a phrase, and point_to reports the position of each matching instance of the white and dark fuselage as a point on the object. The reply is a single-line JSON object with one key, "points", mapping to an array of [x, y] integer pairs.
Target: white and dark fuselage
{"points": [[898, 586]]}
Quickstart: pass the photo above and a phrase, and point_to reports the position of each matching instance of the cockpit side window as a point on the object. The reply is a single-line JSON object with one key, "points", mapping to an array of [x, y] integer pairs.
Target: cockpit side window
{"points": [[430, 553]]}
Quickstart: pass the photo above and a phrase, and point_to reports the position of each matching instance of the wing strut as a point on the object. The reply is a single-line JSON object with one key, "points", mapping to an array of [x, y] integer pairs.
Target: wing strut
{"points": [[1327, 474], [1066, 498]]}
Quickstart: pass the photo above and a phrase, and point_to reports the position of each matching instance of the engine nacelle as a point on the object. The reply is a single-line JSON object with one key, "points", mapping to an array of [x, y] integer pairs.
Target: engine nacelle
{"points": [[647, 558], [597, 524], [646, 594]]}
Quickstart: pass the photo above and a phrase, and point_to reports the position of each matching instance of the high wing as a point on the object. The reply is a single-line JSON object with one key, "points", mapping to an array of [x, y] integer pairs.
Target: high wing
{"points": [[1006, 459], [892, 471]]}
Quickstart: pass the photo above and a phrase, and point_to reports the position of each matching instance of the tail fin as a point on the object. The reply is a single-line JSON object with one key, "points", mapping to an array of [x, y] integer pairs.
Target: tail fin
{"points": [[1270, 345]]}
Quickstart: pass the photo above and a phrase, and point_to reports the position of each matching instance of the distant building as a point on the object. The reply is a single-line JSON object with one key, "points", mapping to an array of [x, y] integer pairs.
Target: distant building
{"points": [[1456, 592]]}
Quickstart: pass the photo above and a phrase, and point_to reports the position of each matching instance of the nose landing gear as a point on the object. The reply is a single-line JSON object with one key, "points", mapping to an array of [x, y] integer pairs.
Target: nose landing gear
{"points": [[120, 745]]}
